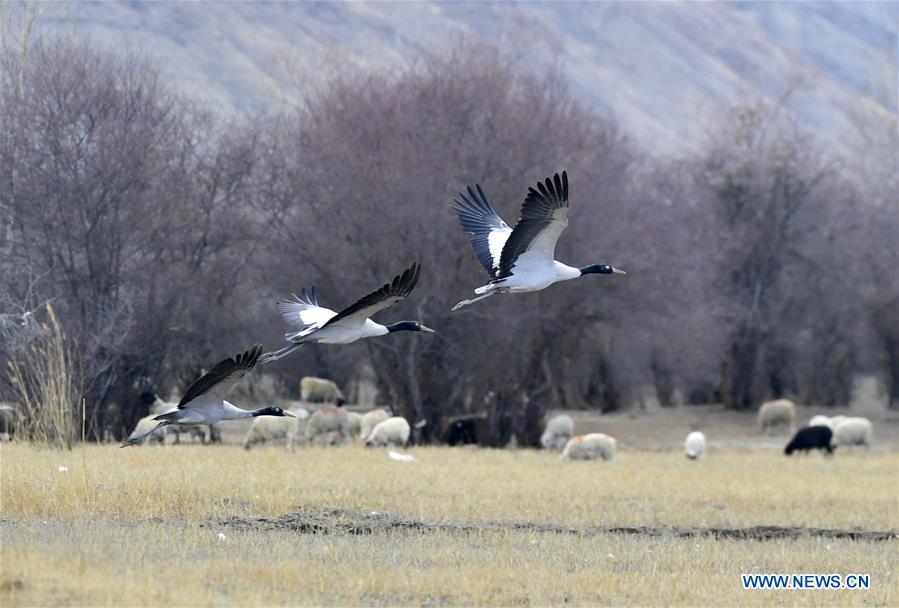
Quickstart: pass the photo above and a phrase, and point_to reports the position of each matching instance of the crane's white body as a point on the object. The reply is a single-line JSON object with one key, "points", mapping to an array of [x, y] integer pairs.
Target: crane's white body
{"points": [[531, 274], [207, 409], [204, 410], [345, 331]]}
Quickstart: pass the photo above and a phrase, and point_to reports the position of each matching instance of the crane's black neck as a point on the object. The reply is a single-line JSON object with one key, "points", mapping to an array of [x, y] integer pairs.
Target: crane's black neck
{"points": [[404, 326]]}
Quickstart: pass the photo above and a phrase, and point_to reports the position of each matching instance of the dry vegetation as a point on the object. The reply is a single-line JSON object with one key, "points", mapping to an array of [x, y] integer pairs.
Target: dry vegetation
{"points": [[44, 381], [106, 530]]}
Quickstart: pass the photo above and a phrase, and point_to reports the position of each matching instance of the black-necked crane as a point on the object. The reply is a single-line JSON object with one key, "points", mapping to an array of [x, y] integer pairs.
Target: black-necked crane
{"points": [[317, 324], [522, 259], [204, 402]]}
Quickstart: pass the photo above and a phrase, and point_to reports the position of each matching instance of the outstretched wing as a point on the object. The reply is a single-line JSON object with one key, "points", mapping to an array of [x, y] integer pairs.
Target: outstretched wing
{"points": [[544, 215], [486, 230], [391, 293], [222, 376], [304, 312]]}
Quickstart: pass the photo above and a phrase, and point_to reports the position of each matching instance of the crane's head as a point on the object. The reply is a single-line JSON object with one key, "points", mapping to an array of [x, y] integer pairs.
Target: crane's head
{"points": [[600, 269], [409, 326], [273, 410]]}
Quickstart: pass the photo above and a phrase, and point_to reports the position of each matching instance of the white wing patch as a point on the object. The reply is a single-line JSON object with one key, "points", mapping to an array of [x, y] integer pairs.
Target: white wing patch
{"points": [[496, 241], [301, 315]]}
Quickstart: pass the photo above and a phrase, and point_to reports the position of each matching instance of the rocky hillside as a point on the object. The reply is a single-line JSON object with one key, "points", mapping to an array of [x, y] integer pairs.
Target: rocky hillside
{"points": [[661, 68]]}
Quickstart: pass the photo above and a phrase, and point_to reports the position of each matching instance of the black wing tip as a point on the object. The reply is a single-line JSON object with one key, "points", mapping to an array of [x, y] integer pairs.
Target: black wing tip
{"points": [[403, 283], [551, 189], [474, 202], [245, 360]]}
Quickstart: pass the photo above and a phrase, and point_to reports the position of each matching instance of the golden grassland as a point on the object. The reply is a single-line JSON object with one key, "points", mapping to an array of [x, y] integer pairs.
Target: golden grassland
{"points": [[141, 526]]}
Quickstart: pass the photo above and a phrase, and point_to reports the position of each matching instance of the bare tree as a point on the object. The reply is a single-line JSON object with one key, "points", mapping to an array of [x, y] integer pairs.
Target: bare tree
{"points": [[123, 201], [781, 207]]}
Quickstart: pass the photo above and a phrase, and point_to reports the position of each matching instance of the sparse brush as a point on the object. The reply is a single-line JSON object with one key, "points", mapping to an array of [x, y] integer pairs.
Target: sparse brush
{"points": [[45, 379]]}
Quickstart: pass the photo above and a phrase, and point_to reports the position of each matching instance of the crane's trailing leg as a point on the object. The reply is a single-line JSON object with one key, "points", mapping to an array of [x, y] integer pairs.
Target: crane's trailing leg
{"points": [[143, 436], [278, 354], [465, 303]]}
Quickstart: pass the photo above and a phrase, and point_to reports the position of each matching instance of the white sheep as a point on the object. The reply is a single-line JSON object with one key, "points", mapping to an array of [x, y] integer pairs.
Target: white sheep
{"points": [[852, 431], [590, 447], [777, 412], [820, 420], [328, 426], [835, 420], [355, 424], [370, 420], [270, 428], [320, 390], [694, 445], [558, 431], [395, 430]]}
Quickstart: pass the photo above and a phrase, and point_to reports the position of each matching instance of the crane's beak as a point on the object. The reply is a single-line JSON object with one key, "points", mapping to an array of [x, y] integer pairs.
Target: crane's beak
{"points": [[286, 413], [428, 329], [618, 271]]}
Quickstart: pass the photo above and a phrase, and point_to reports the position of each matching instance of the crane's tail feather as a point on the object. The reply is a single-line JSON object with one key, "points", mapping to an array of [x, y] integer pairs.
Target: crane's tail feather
{"points": [[278, 354]]}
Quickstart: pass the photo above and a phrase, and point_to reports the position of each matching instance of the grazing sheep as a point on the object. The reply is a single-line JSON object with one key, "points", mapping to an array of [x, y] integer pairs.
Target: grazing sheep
{"points": [[853, 431], [395, 430], [355, 424], [320, 390], [810, 438], [370, 420], [774, 413], [590, 447], [820, 420], [466, 429], [270, 428], [328, 426], [836, 420], [694, 445], [558, 431]]}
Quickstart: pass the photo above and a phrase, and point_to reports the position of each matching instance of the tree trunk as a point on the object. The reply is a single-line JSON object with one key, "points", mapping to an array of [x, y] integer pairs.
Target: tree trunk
{"points": [[663, 381], [738, 386]]}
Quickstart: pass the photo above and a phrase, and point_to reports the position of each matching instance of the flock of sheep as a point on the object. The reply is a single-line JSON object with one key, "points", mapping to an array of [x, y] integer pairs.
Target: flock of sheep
{"points": [[824, 433], [333, 424], [559, 434]]}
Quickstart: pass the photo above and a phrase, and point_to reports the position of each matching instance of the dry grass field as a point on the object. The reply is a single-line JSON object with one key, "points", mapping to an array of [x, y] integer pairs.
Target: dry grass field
{"points": [[217, 525]]}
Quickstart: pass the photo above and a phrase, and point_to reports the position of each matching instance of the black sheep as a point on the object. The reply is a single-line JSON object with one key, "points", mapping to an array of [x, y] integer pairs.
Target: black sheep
{"points": [[810, 438]]}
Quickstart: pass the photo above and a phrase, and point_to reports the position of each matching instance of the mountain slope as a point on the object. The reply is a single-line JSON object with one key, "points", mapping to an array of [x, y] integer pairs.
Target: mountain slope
{"points": [[661, 68]]}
